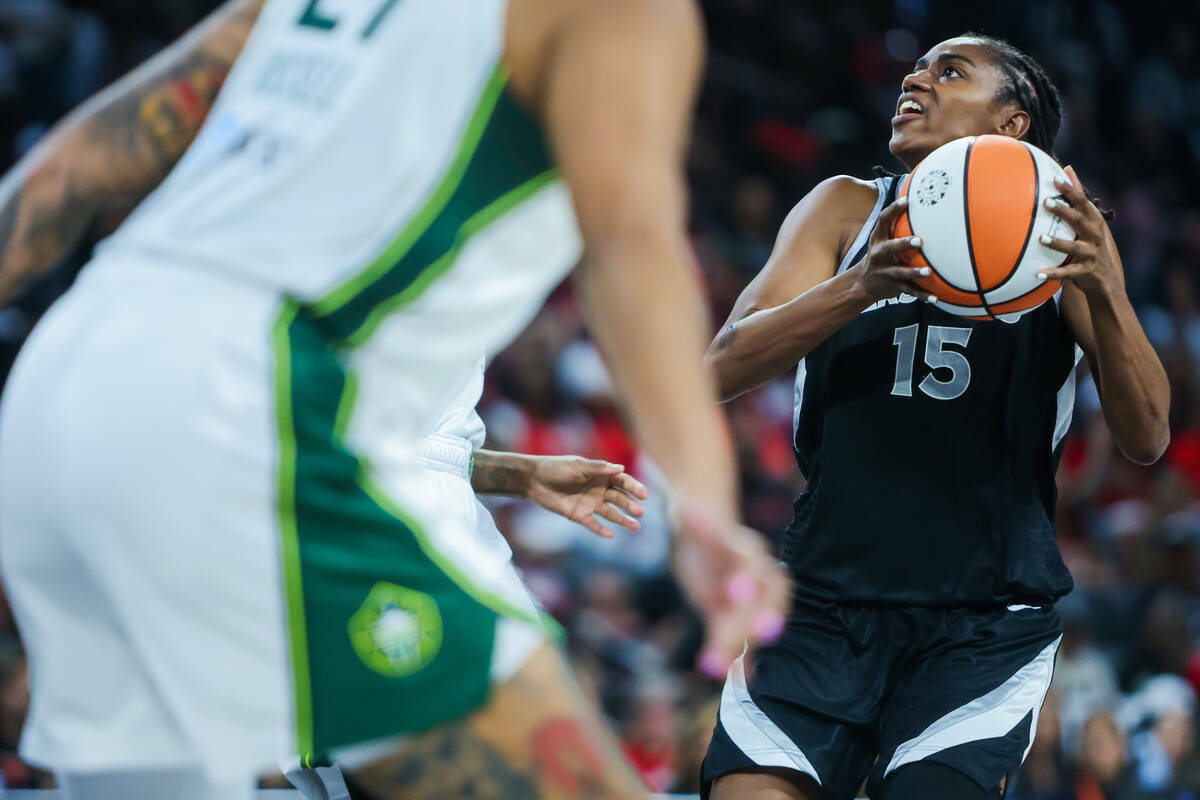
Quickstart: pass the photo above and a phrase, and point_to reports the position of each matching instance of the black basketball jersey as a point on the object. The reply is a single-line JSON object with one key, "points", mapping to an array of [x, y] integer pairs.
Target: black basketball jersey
{"points": [[930, 444]]}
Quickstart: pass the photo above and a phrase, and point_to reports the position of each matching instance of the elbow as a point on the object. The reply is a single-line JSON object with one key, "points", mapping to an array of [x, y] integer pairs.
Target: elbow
{"points": [[1149, 447], [724, 390]]}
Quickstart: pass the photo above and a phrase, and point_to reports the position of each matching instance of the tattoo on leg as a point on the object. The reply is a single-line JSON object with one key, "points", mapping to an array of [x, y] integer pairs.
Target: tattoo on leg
{"points": [[453, 762], [566, 758]]}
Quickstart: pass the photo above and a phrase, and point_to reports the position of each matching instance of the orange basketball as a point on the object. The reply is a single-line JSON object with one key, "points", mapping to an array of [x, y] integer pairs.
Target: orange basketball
{"points": [[977, 204]]}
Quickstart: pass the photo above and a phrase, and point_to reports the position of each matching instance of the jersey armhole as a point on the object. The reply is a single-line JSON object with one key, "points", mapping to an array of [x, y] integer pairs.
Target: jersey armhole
{"points": [[864, 233]]}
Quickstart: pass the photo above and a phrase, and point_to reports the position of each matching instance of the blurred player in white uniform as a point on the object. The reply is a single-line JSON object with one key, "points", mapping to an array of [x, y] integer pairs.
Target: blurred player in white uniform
{"points": [[212, 521], [577, 488]]}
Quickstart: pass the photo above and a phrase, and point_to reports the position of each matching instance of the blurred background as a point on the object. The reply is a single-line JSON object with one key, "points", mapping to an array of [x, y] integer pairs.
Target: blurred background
{"points": [[797, 91]]}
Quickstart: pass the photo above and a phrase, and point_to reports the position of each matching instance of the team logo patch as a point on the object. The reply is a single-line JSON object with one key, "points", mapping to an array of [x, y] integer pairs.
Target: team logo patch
{"points": [[933, 187], [396, 631]]}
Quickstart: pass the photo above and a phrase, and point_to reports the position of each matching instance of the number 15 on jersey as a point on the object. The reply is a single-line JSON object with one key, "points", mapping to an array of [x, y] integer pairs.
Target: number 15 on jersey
{"points": [[937, 357]]}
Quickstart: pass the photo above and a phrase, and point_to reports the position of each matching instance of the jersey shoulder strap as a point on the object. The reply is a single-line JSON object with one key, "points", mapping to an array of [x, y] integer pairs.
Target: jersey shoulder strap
{"points": [[886, 188]]}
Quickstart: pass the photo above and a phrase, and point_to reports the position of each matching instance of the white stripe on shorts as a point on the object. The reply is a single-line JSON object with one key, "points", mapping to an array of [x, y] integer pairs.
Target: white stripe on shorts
{"points": [[987, 717], [753, 731]]}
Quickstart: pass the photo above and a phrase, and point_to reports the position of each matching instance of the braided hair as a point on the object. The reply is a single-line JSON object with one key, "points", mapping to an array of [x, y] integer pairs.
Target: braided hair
{"points": [[1027, 85]]}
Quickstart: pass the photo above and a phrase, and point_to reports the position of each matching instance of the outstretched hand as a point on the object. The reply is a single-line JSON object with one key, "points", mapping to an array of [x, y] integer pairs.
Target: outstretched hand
{"points": [[582, 489]]}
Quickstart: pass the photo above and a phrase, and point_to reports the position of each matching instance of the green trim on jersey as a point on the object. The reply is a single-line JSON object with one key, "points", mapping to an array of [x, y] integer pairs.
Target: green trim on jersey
{"points": [[468, 229], [290, 544], [388, 635], [501, 152]]}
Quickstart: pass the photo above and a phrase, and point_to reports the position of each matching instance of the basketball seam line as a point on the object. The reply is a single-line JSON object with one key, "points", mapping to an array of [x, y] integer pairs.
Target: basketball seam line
{"points": [[1032, 221], [967, 221]]}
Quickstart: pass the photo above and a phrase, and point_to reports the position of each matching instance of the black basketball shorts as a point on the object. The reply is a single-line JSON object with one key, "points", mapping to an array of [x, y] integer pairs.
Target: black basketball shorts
{"points": [[848, 694]]}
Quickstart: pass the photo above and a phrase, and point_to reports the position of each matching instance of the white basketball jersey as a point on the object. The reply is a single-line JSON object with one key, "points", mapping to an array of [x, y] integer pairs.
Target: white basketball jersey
{"points": [[364, 160]]}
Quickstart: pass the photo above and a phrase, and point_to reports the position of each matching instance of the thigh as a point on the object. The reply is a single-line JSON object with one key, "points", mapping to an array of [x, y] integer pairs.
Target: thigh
{"points": [[766, 783], [537, 738], [972, 697]]}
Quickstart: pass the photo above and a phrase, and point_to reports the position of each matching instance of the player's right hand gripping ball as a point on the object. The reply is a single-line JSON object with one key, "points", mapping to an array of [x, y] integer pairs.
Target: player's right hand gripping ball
{"points": [[977, 204]]}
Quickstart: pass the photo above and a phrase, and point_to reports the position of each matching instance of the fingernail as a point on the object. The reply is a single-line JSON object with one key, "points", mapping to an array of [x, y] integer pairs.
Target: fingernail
{"points": [[931, 299], [711, 664], [1041, 276], [915, 241], [768, 625], [1051, 202], [924, 272], [742, 588], [903, 201], [1044, 239]]}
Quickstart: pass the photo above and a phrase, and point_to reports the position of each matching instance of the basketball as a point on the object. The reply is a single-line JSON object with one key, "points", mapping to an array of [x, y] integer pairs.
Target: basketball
{"points": [[977, 205]]}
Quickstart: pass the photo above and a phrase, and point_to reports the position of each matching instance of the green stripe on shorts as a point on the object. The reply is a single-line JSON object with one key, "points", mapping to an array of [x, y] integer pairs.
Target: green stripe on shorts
{"points": [[387, 635]]}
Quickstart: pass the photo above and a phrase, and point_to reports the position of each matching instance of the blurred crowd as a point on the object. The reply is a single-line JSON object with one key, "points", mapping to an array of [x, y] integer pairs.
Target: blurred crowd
{"points": [[796, 92]]}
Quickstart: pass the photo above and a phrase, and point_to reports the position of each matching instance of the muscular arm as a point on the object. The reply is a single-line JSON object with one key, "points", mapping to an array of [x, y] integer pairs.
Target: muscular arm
{"points": [[617, 100], [116, 148], [1134, 392], [796, 302], [1133, 386]]}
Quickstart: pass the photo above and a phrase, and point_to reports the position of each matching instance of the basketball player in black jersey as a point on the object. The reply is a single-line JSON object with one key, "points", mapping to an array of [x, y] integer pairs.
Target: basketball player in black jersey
{"points": [[923, 636]]}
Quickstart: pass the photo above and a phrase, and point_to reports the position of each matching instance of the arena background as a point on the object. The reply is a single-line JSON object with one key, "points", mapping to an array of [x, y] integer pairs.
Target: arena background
{"points": [[796, 92]]}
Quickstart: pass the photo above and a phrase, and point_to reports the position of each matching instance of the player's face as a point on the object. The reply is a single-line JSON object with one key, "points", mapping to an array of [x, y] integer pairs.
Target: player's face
{"points": [[950, 93]]}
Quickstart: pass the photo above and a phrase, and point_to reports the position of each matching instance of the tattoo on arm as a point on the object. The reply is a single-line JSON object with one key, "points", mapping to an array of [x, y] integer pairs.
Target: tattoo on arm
{"points": [[116, 149], [501, 473]]}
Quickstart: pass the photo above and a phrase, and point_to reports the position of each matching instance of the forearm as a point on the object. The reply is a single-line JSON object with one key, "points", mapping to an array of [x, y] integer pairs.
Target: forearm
{"points": [[45, 208], [502, 473], [644, 302], [769, 342], [1133, 385]]}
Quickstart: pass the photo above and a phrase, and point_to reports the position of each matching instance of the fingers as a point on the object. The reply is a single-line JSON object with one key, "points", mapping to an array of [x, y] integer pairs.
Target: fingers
{"points": [[593, 525], [627, 483], [1074, 179], [613, 514], [624, 502], [598, 467], [1066, 271], [750, 606], [887, 220], [887, 250], [1078, 249], [1066, 213], [1077, 197]]}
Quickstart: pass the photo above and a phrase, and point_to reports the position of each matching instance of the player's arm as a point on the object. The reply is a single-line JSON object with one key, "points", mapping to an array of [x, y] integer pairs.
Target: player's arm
{"points": [[616, 90], [796, 302], [1133, 386], [575, 487], [115, 148]]}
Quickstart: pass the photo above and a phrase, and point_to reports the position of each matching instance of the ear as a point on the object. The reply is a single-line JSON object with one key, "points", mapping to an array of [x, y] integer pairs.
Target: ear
{"points": [[1014, 122]]}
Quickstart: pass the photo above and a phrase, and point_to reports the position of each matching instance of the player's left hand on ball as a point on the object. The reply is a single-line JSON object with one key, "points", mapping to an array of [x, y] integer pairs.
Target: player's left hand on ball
{"points": [[1094, 264], [582, 489]]}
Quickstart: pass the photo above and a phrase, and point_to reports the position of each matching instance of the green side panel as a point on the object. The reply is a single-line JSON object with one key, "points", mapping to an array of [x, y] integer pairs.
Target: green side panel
{"points": [[391, 643], [508, 153], [388, 636]]}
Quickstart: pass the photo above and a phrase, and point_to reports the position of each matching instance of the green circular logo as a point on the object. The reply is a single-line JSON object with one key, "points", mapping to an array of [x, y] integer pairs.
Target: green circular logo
{"points": [[396, 631]]}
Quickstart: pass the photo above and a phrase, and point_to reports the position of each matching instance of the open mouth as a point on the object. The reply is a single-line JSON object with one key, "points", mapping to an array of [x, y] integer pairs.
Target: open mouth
{"points": [[908, 109]]}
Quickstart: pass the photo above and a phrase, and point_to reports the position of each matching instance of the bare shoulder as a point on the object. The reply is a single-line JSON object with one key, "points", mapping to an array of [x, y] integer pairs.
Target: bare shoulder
{"points": [[535, 29], [833, 211]]}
